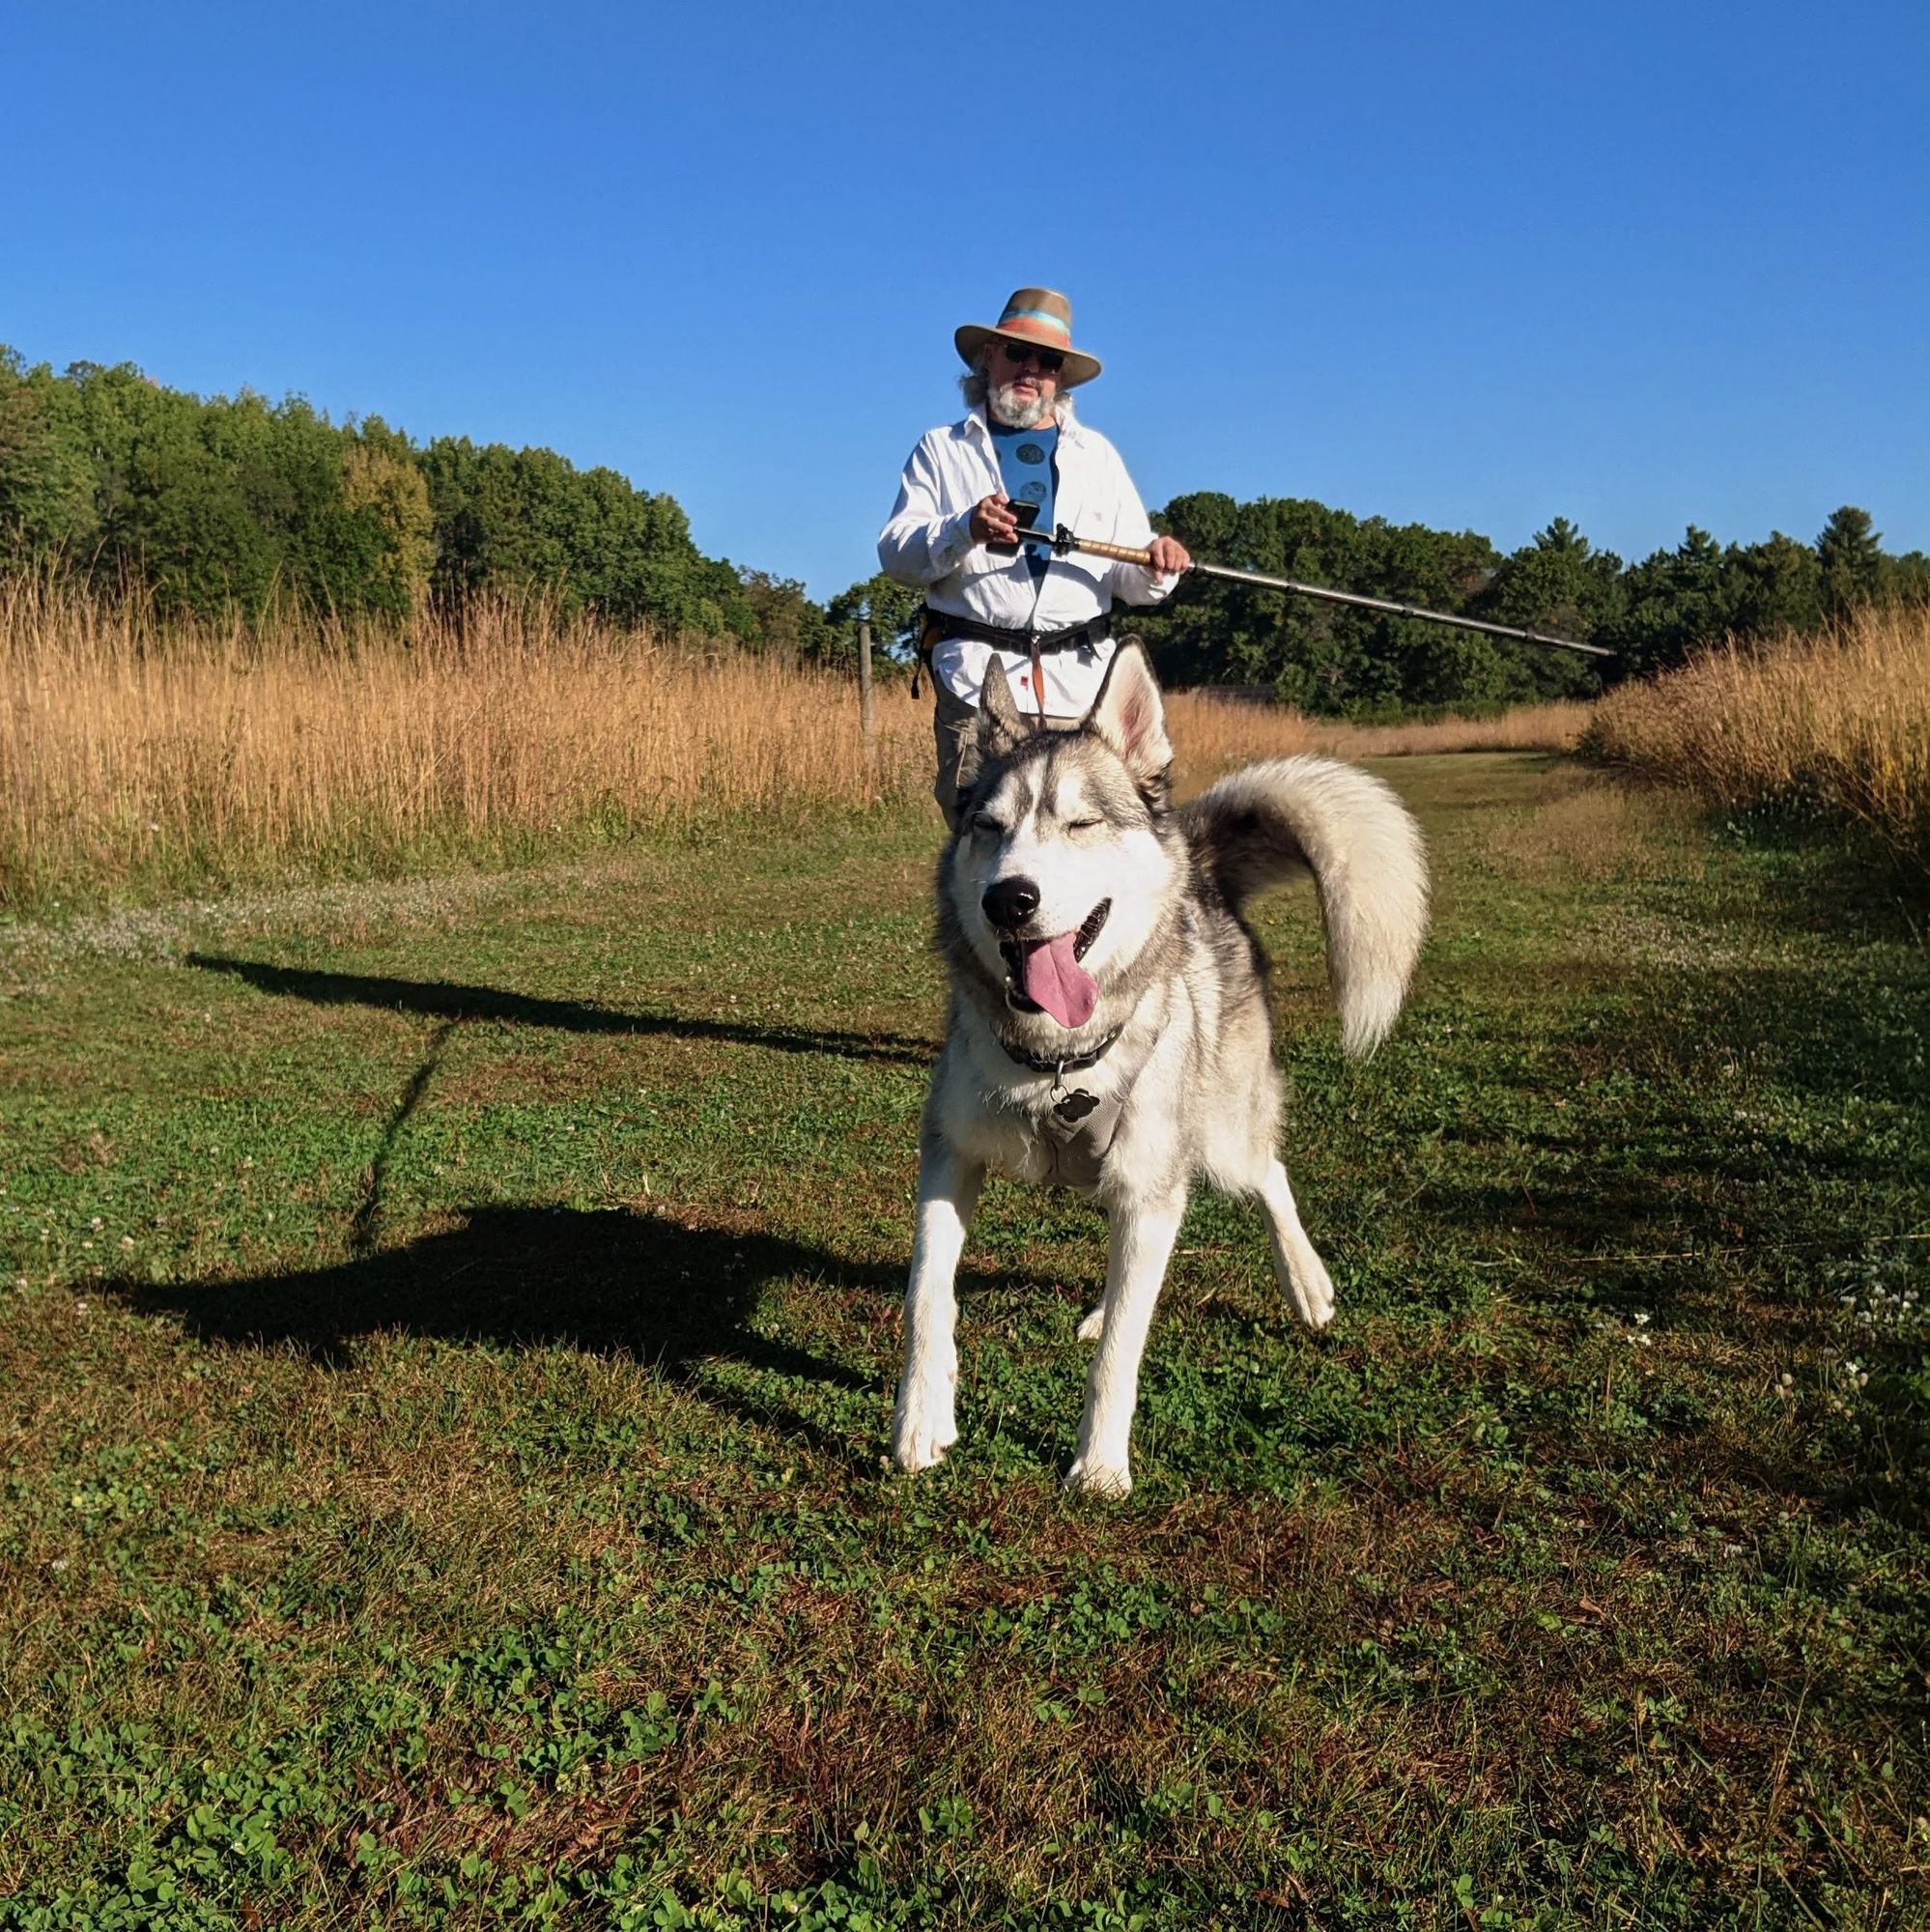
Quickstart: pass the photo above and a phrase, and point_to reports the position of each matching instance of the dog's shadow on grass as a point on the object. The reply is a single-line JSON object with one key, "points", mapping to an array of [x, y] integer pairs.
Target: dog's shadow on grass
{"points": [[451, 999], [682, 1301]]}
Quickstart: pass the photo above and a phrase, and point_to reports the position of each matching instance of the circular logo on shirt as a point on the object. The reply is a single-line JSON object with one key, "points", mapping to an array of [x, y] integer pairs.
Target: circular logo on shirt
{"points": [[1030, 452], [1033, 493]]}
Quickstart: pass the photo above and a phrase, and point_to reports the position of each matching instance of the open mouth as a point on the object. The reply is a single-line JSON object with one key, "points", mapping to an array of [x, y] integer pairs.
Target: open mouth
{"points": [[1044, 976]]}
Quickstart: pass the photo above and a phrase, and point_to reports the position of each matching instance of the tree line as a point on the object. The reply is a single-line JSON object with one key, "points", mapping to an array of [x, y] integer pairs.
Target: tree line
{"points": [[218, 504], [1338, 662], [237, 504]]}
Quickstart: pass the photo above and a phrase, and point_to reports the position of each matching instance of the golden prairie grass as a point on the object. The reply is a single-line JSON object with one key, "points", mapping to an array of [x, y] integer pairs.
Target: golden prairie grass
{"points": [[1554, 726], [1213, 733], [1840, 723], [141, 755], [189, 754]]}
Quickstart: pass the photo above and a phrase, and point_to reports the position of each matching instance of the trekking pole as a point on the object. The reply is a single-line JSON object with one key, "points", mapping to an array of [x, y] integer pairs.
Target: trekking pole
{"points": [[1063, 542]]}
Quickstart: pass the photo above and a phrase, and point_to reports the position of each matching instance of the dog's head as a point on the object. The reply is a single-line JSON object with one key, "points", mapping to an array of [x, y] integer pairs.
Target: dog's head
{"points": [[1062, 867]]}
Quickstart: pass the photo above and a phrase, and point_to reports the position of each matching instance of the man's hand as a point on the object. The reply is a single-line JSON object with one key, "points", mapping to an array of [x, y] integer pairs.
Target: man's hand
{"points": [[992, 520], [1167, 557]]}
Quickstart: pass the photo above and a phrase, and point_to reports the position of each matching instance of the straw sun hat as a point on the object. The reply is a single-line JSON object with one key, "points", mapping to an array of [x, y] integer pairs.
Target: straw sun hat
{"points": [[1040, 317]]}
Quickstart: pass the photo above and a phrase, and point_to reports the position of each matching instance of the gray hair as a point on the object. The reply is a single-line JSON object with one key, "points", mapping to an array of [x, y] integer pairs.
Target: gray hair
{"points": [[975, 386]]}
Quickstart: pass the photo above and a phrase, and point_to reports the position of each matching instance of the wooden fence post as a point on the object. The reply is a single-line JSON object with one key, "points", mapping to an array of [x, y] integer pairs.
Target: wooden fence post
{"points": [[867, 715]]}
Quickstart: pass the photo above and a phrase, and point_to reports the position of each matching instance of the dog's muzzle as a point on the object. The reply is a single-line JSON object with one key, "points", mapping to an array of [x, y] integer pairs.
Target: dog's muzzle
{"points": [[1022, 956]]}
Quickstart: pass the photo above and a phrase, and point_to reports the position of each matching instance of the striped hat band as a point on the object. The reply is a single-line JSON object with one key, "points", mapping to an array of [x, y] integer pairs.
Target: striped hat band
{"points": [[1036, 322]]}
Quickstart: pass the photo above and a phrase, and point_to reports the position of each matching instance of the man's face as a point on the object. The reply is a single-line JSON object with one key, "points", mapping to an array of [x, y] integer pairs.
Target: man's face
{"points": [[1023, 390]]}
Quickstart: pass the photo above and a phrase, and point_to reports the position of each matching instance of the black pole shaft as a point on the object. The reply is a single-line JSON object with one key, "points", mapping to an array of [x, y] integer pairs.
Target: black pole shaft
{"points": [[1398, 609], [1063, 540]]}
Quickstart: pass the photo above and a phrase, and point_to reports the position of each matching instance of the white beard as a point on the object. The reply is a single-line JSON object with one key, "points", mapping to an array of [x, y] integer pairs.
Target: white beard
{"points": [[1011, 410]]}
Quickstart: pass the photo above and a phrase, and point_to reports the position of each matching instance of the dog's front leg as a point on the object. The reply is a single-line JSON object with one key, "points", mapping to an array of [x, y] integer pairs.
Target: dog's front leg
{"points": [[1142, 1243], [926, 1424]]}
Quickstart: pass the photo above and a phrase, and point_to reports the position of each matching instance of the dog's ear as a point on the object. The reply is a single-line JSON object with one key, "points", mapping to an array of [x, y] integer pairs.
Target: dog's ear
{"points": [[1002, 728], [1001, 725], [1128, 716]]}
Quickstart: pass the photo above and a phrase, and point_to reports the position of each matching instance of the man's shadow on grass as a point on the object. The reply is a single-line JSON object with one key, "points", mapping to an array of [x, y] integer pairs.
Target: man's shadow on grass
{"points": [[450, 1000], [682, 1301]]}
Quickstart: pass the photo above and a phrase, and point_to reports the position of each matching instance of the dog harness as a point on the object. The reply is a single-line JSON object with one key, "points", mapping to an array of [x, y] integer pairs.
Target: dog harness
{"points": [[934, 626], [1079, 1129], [1078, 1134], [947, 624]]}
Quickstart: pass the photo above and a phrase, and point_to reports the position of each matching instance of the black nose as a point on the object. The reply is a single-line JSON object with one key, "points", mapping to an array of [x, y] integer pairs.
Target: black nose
{"points": [[1010, 902]]}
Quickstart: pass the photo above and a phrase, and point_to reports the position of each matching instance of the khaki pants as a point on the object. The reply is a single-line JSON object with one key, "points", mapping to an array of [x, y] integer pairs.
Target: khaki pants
{"points": [[953, 725]]}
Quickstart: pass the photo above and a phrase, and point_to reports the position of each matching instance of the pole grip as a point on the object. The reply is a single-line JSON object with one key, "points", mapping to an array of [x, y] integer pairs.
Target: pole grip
{"points": [[1121, 552]]}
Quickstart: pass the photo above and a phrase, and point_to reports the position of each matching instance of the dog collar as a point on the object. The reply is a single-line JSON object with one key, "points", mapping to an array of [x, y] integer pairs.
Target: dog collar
{"points": [[1065, 1064]]}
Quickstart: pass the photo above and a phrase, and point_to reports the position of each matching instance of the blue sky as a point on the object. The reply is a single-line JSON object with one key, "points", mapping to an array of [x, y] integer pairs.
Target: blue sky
{"points": [[1478, 267]]}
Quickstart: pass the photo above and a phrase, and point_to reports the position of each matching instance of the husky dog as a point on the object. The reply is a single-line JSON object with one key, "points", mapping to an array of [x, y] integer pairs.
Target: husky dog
{"points": [[1108, 1026]]}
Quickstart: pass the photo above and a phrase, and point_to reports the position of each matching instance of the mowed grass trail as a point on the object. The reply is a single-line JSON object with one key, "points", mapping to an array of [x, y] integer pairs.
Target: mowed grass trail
{"points": [[447, 1336]]}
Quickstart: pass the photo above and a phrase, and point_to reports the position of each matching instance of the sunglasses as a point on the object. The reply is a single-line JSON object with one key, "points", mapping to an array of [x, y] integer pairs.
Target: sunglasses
{"points": [[1019, 354]]}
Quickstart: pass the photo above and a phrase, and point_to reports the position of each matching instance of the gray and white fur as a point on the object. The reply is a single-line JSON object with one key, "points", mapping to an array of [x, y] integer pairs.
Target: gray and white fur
{"points": [[1079, 914]]}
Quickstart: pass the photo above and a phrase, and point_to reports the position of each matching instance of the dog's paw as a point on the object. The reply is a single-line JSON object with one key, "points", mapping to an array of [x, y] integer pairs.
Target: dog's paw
{"points": [[1089, 1477], [919, 1441], [1094, 1326], [1313, 1294]]}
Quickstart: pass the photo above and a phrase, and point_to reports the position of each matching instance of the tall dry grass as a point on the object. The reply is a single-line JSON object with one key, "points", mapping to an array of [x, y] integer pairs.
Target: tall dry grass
{"points": [[1840, 723], [1213, 733], [1554, 726], [149, 756], [188, 754]]}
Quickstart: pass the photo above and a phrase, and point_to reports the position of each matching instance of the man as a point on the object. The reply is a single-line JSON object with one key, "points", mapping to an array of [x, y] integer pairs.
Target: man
{"points": [[1018, 457]]}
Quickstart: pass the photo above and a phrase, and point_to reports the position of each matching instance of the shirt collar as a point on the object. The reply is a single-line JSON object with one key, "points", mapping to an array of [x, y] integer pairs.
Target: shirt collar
{"points": [[979, 422]]}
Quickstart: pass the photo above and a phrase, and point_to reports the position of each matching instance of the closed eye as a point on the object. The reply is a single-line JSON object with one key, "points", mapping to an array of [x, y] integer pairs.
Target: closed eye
{"points": [[987, 825], [1084, 824]]}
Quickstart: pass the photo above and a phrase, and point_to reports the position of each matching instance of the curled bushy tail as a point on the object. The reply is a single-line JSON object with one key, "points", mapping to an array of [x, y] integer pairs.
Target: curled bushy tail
{"points": [[1273, 821]]}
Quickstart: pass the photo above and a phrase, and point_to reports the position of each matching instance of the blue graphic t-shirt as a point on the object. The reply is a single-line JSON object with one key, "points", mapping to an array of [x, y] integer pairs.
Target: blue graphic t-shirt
{"points": [[1025, 458]]}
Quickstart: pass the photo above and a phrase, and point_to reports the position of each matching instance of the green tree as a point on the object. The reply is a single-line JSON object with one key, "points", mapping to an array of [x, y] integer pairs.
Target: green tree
{"points": [[238, 501], [179, 518], [1323, 657], [1909, 576], [1557, 581], [529, 519], [1776, 587], [1674, 600], [788, 625], [1850, 554], [892, 611], [380, 480], [1216, 632], [47, 480]]}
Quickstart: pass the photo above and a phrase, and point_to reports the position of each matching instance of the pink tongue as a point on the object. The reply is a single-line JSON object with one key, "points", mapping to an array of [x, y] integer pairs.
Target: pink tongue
{"points": [[1051, 977]]}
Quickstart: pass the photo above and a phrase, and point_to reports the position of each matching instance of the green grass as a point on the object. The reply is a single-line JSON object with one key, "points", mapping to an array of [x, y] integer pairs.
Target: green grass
{"points": [[446, 1346]]}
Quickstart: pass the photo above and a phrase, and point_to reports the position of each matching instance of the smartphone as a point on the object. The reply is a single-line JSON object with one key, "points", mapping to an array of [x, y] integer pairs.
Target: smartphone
{"points": [[1025, 515]]}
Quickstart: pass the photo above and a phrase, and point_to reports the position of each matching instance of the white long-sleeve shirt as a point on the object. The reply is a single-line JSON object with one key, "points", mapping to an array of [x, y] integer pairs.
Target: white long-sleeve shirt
{"points": [[928, 543]]}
